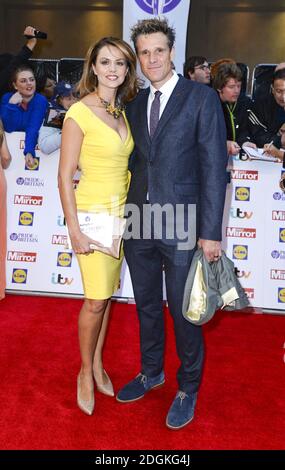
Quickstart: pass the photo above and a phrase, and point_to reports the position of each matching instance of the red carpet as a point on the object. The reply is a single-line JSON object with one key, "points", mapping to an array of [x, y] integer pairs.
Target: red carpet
{"points": [[240, 405]]}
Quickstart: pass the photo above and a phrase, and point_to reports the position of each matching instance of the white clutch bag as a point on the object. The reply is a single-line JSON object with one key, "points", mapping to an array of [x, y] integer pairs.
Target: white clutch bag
{"points": [[104, 229]]}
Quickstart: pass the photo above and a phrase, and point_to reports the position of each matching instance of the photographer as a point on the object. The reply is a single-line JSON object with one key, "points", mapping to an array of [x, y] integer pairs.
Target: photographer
{"points": [[8, 62], [50, 132]]}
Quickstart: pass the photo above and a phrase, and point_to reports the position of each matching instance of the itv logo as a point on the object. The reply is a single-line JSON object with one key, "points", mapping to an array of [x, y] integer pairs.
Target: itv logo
{"points": [[62, 280]]}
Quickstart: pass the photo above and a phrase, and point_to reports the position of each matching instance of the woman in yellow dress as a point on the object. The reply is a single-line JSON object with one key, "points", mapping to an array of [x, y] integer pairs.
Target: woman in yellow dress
{"points": [[96, 137]]}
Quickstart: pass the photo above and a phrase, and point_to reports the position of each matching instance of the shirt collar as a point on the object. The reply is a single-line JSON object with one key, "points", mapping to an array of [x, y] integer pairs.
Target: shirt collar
{"points": [[168, 87]]}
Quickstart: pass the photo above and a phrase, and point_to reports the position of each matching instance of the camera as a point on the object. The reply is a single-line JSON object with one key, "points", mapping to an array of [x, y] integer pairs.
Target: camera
{"points": [[38, 35]]}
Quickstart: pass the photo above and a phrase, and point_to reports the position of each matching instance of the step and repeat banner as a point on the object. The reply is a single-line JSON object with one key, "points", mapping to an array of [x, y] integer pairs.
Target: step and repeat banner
{"points": [[253, 230], [37, 259]]}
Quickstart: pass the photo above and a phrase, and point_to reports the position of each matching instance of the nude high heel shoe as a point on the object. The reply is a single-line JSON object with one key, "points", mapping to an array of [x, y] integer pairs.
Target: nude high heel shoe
{"points": [[87, 406], [105, 388]]}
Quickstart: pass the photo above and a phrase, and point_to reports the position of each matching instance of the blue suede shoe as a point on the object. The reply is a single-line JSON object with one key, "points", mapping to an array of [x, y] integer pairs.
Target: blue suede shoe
{"points": [[138, 387], [181, 411]]}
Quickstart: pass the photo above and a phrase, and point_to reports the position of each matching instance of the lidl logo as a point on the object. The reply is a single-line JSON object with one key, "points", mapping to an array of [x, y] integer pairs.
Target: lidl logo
{"points": [[282, 235], [64, 259], [281, 295], [240, 252], [35, 166], [19, 276], [26, 218], [242, 193]]}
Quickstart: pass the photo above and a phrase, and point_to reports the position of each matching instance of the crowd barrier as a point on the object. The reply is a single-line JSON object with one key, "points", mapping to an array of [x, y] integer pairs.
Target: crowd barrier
{"points": [[70, 70], [253, 230]]}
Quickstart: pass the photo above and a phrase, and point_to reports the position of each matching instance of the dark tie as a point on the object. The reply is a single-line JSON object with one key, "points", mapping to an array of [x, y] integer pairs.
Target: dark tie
{"points": [[154, 113]]}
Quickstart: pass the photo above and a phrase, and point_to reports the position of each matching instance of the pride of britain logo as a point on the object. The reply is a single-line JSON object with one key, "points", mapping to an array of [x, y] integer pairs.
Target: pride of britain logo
{"points": [[157, 7]]}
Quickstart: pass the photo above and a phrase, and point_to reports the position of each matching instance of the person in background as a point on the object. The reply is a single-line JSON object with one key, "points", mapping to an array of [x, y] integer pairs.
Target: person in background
{"points": [[50, 134], [216, 65], [5, 159], [46, 86], [227, 82], [267, 117], [24, 110], [179, 159], [8, 62], [96, 137], [197, 68]]}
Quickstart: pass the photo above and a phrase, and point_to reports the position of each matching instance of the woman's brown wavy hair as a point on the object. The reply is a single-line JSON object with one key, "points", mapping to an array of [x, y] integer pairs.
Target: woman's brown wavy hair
{"points": [[88, 82]]}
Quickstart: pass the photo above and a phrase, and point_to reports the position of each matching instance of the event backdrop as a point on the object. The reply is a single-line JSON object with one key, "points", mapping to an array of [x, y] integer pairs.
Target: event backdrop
{"points": [[253, 230], [176, 11]]}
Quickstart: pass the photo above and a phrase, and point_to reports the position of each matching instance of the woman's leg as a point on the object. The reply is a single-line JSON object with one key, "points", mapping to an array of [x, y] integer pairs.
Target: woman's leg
{"points": [[98, 361], [89, 326]]}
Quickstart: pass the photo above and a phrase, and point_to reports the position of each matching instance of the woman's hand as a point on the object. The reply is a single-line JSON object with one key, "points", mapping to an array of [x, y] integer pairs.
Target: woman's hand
{"points": [[249, 144], [274, 151], [81, 243], [16, 98], [30, 160]]}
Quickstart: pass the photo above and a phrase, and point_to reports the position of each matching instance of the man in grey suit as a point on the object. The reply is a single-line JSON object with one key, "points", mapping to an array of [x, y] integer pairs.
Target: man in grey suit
{"points": [[179, 160]]}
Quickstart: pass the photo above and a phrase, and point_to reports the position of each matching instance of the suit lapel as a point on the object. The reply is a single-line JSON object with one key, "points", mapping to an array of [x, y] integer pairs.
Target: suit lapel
{"points": [[175, 101], [142, 129]]}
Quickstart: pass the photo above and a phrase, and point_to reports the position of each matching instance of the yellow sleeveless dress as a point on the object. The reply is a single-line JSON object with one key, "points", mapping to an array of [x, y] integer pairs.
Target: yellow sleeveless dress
{"points": [[103, 186]]}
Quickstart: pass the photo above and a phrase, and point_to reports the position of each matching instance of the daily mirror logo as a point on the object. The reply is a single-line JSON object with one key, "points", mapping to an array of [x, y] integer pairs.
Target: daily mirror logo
{"points": [[251, 175], [249, 292], [59, 240], [277, 274], [240, 232], [278, 215], [23, 256], [28, 200]]}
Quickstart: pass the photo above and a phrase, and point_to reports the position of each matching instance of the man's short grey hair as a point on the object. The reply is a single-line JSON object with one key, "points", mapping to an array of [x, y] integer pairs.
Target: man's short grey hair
{"points": [[150, 26]]}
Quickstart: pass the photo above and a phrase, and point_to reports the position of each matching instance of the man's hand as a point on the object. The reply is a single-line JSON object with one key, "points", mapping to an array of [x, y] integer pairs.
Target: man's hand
{"points": [[211, 249], [232, 147], [31, 42]]}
